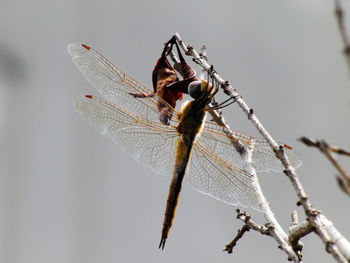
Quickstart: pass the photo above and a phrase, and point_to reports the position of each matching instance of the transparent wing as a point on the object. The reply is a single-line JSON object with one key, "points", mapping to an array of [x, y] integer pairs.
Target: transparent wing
{"points": [[154, 145], [115, 85], [149, 142], [263, 158], [211, 175]]}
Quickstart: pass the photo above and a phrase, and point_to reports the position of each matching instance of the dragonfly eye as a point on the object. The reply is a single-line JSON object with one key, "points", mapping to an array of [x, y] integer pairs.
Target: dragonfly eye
{"points": [[195, 89]]}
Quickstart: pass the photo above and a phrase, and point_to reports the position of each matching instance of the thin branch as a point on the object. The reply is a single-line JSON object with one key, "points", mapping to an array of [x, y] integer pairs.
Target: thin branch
{"points": [[296, 232], [248, 224], [217, 115], [229, 247], [344, 180], [339, 13], [265, 230], [334, 242], [315, 143], [278, 234], [339, 151], [203, 55]]}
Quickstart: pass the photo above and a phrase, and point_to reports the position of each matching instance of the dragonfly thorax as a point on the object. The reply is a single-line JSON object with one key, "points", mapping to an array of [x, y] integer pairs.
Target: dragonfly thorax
{"points": [[192, 115]]}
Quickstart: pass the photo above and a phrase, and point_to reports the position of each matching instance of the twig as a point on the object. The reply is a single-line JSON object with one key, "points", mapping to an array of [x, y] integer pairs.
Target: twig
{"points": [[338, 151], [278, 234], [315, 143], [201, 76], [334, 242], [344, 181], [297, 231], [294, 237], [249, 224], [203, 55], [339, 13], [229, 247], [265, 230]]}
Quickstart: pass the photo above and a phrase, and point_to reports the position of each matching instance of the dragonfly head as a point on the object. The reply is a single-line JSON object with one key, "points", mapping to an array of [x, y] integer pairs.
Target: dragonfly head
{"points": [[197, 88]]}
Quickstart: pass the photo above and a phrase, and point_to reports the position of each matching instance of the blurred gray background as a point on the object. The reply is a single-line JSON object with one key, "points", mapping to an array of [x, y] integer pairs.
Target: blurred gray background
{"points": [[68, 194]]}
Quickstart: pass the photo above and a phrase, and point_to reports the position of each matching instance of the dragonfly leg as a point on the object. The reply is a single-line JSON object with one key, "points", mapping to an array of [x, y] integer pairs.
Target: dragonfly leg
{"points": [[141, 95]]}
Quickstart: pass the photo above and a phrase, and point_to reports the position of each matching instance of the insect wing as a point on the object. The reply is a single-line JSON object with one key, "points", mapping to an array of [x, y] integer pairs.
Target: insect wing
{"points": [[263, 158], [149, 142], [211, 175], [116, 86]]}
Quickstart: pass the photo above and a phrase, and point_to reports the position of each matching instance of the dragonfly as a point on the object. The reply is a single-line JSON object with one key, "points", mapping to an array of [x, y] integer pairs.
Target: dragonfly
{"points": [[186, 147]]}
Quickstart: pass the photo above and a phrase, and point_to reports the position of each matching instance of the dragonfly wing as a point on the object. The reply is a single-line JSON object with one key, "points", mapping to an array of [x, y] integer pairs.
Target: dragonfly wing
{"points": [[150, 143], [263, 158], [115, 85], [211, 175]]}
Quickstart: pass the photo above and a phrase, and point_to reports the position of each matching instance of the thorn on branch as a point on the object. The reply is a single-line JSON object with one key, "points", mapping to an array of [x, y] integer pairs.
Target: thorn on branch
{"points": [[280, 152], [329, 246], [251, 112], [300, 202], [314, 212], [203, 56], [189, 50], [225, 84], [196, 60], [212, 71]]}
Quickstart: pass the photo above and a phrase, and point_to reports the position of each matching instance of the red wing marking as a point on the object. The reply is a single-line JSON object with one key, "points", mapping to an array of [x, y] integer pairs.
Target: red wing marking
{"points": [[287, 146], [85, 46]]}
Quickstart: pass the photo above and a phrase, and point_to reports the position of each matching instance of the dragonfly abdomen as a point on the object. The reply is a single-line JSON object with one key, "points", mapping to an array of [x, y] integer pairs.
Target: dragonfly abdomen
{"points": [[190, 124], [183, 154]]}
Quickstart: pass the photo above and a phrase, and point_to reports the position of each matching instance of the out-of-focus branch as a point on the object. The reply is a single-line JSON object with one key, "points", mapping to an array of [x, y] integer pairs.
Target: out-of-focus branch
{"points": [[344, 180], [334, 242], [316, 143], [339, 13], [338, 150]]}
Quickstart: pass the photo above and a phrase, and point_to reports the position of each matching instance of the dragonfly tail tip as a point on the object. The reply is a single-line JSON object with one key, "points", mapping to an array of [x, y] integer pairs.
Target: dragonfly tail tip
{"points": [[162, 243]]}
